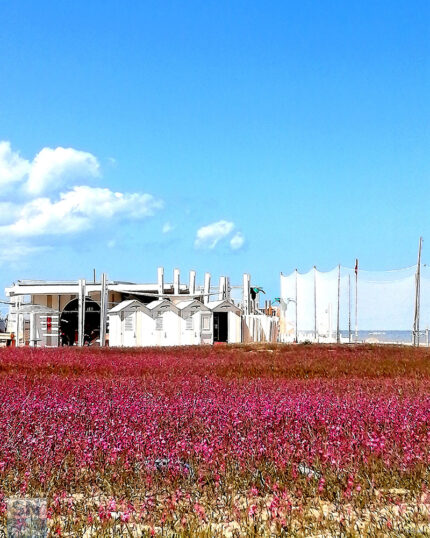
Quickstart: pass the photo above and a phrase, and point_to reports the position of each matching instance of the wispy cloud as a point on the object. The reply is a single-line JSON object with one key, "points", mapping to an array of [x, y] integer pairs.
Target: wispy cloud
{"points": [[51, 169], [237, 241], [210, 235], [19, 251], [13, 168], [77, 210], [167, 227], [54, 199]]}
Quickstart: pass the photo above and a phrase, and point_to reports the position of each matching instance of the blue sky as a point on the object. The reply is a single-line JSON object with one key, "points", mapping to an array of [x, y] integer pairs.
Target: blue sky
{"points": [[289, 133]]}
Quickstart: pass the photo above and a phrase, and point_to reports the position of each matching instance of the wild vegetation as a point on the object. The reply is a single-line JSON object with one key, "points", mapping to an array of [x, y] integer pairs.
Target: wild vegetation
{"points": [[249, 440]]}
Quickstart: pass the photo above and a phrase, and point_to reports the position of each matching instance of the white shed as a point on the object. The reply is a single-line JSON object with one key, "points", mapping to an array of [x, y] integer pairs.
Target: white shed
{"points": [[227, 323], [196, 323], [165, 320], [129, 324]]}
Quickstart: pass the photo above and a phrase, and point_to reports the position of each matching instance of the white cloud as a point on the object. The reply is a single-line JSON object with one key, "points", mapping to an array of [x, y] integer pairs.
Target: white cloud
{"points": [[77, 210], [237, 241], [15, 252], [13, 168], [51, 169], [208, 236], [167, 227], [54, 199]]}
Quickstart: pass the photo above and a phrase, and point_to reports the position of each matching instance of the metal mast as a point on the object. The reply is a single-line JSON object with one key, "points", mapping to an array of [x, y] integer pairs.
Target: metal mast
{"points": [[356, 299], [297, 322], [338, 306], [416, 329], [315, 304]]}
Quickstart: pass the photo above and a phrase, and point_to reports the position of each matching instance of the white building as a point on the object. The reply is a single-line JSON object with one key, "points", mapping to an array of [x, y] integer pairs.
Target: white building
{"points": [[196, 321], [227, 322], [129, 324], [165, 324], [52, 313]]}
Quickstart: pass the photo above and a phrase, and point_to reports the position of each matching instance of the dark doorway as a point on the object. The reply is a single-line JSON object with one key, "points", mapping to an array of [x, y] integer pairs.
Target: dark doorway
{"points": [[220, 326], [70, 319]]}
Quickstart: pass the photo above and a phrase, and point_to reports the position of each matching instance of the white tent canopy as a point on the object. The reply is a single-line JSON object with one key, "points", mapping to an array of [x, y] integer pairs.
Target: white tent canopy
{"points": [[315, 304]]}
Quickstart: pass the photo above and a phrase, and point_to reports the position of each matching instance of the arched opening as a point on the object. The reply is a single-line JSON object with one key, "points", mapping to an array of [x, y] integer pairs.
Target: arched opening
{"points": [[69, 322]]}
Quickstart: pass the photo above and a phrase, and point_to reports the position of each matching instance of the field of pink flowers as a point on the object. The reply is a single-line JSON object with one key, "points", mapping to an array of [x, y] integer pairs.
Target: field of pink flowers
{"points": [[235, 441]]}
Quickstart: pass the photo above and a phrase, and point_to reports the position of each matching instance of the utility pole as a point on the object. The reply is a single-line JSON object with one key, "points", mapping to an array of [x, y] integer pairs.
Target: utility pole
{"points": [[356, 299], [349, 308], [246, 299], [416, 329], [297, 321], [103, 309], [81, 313], [315, 303], [338, 306], [18, 321]]}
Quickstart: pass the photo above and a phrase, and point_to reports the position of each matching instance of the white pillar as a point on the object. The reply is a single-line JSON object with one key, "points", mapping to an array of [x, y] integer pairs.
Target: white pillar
{"points": [[338, 307], [297, 319], [315, 305], [81, 312], [221, 291], [160, 280], [207, 288], [192, 286], [18, 321], [103, 308], [33, 342], [227, 288], [246, 297], [176, 281]]}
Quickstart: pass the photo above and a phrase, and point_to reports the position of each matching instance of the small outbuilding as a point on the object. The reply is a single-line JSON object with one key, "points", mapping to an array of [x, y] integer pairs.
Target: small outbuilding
{"points": [[227, 323], [165, 323], [196, 323], [129, 324]]}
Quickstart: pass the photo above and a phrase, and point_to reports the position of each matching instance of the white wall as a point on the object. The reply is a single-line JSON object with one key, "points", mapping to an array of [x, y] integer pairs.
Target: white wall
{"points": [[234, 328], [170, 334], [129, 327], [115, 336], [198, 334], [260, 328], [190, 337], [207, 335], [143, 331]]}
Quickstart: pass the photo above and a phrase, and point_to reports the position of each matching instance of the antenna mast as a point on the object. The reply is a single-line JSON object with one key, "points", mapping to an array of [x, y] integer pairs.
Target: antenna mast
{"points": [[416, 329]]}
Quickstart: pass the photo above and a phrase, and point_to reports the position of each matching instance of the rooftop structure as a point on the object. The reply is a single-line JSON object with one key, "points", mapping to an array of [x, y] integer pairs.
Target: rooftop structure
{"points": [[66, 312]]}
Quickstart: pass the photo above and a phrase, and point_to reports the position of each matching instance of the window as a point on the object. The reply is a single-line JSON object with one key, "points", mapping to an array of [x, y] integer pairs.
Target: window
{"points": [[189, 323], [206, 323], [159, 323]]}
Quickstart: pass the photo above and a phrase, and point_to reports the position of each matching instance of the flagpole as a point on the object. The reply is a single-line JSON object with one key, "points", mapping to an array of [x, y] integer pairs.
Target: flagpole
{"points": [[338, 307], [297, 323], [315, 303], [349, 308], [417, 297], [356, 299]]}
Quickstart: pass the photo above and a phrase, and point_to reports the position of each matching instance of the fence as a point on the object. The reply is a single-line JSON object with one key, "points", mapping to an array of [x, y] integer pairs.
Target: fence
{"points": [[346, 304]]}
